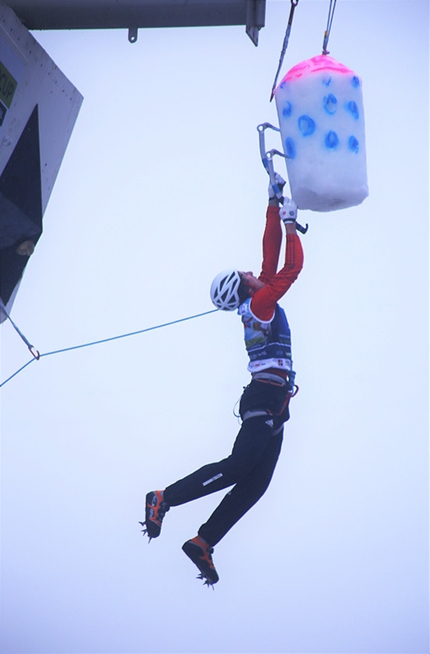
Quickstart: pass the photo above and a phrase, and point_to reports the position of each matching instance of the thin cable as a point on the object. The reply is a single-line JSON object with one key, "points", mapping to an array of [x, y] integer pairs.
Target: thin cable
{"points": [[18, 371], [294, 4], [331, 10], [31, 347], [106, 340]]}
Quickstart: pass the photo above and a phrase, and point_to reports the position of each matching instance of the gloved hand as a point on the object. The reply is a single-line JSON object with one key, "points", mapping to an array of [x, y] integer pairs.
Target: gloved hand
{"points": [[288, 211], [280, 182]]}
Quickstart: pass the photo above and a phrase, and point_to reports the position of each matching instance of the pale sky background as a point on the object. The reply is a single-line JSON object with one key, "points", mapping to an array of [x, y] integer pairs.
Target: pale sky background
{"points": [[161, 187]]}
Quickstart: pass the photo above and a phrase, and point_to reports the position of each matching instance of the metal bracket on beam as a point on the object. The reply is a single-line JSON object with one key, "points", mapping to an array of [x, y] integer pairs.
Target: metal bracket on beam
{"points": [[255, 18], [132, 34]]}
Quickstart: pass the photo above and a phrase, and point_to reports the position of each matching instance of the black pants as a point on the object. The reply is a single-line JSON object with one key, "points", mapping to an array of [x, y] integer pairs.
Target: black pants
{"points": [[250, 466]]}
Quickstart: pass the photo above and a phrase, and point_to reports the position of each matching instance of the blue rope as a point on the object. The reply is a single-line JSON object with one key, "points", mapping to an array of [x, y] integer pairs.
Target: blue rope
{"points": [[18, 371], [106, 340]]}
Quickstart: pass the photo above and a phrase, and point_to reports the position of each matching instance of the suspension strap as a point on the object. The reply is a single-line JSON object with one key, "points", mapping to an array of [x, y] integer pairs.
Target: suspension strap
{"points": [[31, 347], [294, 4], [331, 10]]}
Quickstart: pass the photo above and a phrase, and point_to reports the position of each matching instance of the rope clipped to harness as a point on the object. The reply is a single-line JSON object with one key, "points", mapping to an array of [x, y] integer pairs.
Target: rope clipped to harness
{"points": [[294, 4]]}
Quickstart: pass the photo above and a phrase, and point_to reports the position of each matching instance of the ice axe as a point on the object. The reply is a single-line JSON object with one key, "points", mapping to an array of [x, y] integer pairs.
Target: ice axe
{"points": [[267, 159]]}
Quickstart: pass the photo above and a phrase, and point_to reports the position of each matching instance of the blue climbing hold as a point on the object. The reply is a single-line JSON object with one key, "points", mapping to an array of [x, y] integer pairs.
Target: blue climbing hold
{"points": [[353, 109], [290, 148], [355, 82], [306, 125], [331, 140], [353, 144], [287, 109], [330, 104]]}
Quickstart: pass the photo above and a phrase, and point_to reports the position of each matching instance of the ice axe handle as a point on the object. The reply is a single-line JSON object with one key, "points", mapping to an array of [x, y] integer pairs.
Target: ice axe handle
{"points": [[267, 159]]}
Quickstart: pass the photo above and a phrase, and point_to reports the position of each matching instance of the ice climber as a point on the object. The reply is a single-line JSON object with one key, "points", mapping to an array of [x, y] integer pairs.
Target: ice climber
{"points": [[264, 403]]}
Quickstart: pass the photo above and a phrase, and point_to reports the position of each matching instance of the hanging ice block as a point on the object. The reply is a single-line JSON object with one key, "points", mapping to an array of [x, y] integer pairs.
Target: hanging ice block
{"points": [[320, 110]]}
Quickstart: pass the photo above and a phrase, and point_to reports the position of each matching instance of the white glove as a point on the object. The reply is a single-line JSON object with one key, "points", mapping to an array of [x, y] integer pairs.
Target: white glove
{"points": [[288, 211]]}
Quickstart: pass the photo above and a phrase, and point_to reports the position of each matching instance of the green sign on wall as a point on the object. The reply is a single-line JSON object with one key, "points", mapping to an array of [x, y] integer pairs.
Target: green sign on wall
{"points": [[8, 86]]}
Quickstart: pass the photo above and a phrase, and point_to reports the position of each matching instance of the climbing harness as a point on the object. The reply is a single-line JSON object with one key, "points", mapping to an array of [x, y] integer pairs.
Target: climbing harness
{"points": [[267, 160], [104, 340], [294, 4], [331, 11]]}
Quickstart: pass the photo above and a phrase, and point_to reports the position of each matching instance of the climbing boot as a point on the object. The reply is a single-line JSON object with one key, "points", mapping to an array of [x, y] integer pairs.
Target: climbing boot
{"points": [[155, 510], [200, 553]]}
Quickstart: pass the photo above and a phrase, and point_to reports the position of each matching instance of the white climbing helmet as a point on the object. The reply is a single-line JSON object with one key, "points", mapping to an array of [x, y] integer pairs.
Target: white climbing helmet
{"points": [[225, 290]]}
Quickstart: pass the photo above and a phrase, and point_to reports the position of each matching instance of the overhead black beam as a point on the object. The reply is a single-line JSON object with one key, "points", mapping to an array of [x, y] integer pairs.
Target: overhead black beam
{"points": [[134, 14], [20, 207]]}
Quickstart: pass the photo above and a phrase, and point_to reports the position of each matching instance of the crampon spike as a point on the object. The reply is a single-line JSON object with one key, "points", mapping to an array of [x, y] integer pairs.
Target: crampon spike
{"points": [[145, 531], [206, 581]]}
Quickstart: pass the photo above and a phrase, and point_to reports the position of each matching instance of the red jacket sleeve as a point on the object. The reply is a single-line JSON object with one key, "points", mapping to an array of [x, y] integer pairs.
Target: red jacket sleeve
{"points": [[276, 284]]}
